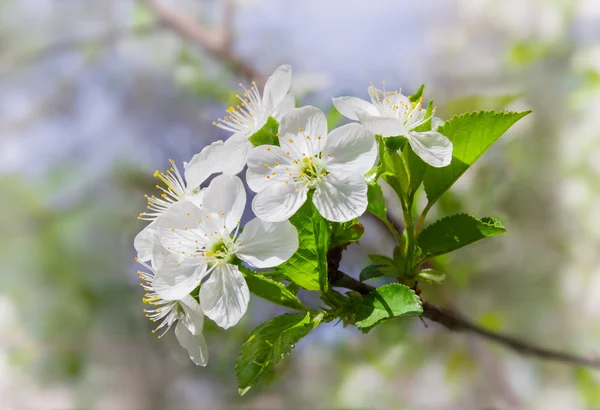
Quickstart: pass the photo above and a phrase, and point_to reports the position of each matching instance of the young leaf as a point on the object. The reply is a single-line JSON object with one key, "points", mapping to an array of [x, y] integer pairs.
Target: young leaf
{"points": [[371, 272], [269, 343], [386, 302], [344, 233], [456, 231], [306, 266], [376, 205], [472, 134], [267, 135], [431, 276], [416, 96], [272, 291]]}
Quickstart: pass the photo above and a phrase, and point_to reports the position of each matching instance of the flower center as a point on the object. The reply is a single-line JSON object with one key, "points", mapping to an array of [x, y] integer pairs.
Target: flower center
{"points": [[311, 171], [220, 252]]}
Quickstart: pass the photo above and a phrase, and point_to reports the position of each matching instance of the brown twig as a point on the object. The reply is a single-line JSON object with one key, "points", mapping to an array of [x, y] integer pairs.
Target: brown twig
{"points": [[458, 323], [216, 41]]}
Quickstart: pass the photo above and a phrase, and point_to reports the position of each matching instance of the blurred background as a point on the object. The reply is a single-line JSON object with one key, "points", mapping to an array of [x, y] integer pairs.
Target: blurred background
{"points": [[96, 95]]}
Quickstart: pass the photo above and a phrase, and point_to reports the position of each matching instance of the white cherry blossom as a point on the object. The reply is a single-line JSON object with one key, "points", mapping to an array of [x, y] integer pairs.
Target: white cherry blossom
{"points": [[309, 159], [252, 114], [393, 114], [204, 244], [186, 312], [177, 187]]}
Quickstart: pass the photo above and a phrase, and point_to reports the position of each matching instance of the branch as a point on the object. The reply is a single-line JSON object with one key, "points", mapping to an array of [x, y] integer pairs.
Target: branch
{"points": [[457, 323], [217, 41]]}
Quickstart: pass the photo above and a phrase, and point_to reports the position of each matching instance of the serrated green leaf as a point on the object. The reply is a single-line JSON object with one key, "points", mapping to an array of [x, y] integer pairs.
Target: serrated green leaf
{"points": [[416, 96], [376, 206], [371, 272], [272, 291], [268, 344], [471, 134], [304, 267], [267, 135], [386, 302], [454, 232]]}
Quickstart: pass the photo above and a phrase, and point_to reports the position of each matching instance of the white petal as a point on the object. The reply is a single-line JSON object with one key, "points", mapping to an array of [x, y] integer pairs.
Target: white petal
{"points": [[226, 194], [288, 104], [179, 230], [433, 147], [194, 344], [193, 317], [267, 244], [350, 148], [436, 123], [384, 126], [348, 106], [303, 131], [341, 197], [176, 277], [144, 241], [257, 173], [224, 296], [279, 202], [208, 161], [235, 153], [277, 86]]}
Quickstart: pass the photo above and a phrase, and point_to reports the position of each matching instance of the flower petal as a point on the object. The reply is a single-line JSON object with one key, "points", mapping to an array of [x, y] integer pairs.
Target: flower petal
{"points": [[267, 244], [303, 131], [194, 344], [288, 104], [181, 229], [433, 147], [348, 106], [236, 150], [350, 148], [341, 197], [144, 241], [226, 195], [384, 126], [277, 86], [224, 296], [193, 317], [208, 161], [279, 202], [276, 161], [176, 277], [436, 123]]}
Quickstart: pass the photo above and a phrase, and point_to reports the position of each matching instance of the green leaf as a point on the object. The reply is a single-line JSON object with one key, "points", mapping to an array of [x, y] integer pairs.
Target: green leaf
{"points": [[371, 272], [472, 134], [269, 343], [376, 206], [417, 96], [321, 232], [344, 233], [394, 143], [334, 117], [426, 126], [431, 276], [306, 266], [386, 302], [272, 291], [589, 387], [415, 167], [454, 232], [267, 135]]}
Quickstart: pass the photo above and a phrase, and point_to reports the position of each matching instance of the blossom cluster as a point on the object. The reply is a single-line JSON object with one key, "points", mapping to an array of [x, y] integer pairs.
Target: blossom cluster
{"points": [[194, 250]]}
